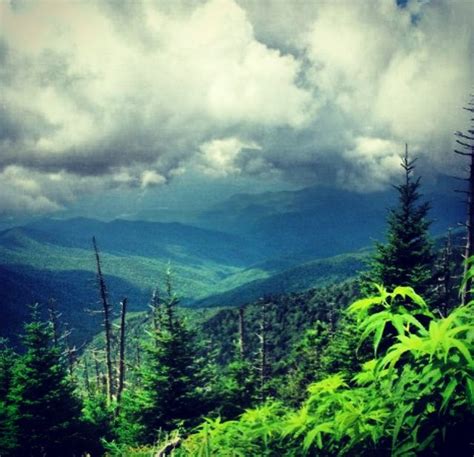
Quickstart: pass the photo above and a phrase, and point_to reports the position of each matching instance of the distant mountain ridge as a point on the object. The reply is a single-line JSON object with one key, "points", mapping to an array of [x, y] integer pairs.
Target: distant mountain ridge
{"points": [[320, 221], [249, 245], [148, 239]]}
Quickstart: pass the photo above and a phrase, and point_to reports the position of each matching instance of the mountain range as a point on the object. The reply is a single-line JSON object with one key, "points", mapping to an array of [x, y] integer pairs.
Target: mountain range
{"points": [[233, 252]]}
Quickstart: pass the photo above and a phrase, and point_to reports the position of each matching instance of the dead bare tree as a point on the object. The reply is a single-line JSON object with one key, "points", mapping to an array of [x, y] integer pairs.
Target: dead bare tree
{"points": [[155, 307], [466, 143], [446, 288], [87, 384], [242, 342], [70, 352], [54, 316], [169, 447], [123, 312], [263, 349], [107, 314]]}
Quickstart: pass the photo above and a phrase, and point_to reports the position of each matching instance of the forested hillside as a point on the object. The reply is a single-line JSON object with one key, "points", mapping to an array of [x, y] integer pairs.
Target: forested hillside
{"points": [[366, 366], [52, 258]]}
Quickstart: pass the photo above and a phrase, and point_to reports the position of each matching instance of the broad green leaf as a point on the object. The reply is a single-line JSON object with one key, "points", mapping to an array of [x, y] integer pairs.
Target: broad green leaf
{"points": [[378, 337], [403, 291], [447, 393], [364, 304], [399, 421], [462, 348]]}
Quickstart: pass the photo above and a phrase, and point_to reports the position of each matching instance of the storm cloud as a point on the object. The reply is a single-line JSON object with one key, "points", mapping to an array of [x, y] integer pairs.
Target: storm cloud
{"points": [[99, 95]]}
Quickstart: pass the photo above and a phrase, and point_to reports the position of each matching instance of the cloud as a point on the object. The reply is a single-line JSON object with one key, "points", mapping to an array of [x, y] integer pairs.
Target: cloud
{"points": [[374, 163], [113, 94], [379, 74], [86, 95], [223, 157], [151, 178], [399, 74], [26, 191]]}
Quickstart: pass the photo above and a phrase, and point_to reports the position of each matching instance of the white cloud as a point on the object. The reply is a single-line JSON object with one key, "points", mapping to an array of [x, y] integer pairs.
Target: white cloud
{"points": [[400, 74], [374, 163], [28, 191], [220, 157], [84, 97], [151, 178], [133, 93]]}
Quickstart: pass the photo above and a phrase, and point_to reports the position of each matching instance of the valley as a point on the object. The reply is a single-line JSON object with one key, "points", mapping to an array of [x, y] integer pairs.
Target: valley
{"points": [[266, 244]]}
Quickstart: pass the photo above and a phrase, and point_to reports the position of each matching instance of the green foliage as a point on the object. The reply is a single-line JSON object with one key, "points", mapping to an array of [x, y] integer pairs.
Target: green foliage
{"points": [[305, 363], [98, 414], [407, 256], [255, 433], [45, 411], [8, 429], [396, 310], [168, 394], [415, 399], [289, 316], [236, 389]]}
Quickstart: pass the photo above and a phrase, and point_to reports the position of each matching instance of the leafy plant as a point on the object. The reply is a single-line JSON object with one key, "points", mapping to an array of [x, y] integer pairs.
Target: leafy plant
{"points": [[416, 398]]}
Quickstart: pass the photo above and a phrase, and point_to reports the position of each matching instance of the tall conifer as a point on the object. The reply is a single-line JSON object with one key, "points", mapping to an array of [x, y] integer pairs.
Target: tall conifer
{"points": [[46, 411], [8, 429], [170, 376], [406, 258]]}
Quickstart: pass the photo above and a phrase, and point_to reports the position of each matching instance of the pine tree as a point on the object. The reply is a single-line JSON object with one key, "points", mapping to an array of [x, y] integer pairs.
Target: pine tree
{"points": [[46, 412], [170, 376], [8, 430], [406, 258]]}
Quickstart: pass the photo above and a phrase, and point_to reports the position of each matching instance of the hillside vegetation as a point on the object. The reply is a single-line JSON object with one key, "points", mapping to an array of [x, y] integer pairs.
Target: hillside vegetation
{"points": [[359, 367], [54, 259]]}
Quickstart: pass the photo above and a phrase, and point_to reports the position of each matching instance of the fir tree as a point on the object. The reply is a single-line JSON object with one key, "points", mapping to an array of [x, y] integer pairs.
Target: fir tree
{"points": [[8, 431], [406, 258], [46, 411], [170, 377]]}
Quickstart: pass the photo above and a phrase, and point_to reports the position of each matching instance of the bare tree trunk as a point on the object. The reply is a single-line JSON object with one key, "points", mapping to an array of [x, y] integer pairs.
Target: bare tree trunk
{"points": [[123, 312], [54, 319], [242, 342], [157, 317], [446, 278], [155, 309], [97, 371], [87, 384], [263, 353], [466, 141], [468, 251], [138, 352], [169, 447], [69, 351], [171, 301], [107, 311]]}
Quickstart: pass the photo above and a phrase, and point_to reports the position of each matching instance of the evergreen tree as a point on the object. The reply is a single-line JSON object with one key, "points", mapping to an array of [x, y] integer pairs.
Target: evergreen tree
{"points": [[304, 363], [8, 431], [171, 375], [46, 412], [235, 387], [406, 258]]}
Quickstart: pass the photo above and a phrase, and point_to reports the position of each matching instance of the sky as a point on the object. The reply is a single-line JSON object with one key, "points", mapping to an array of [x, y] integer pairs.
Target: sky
{"points": [[126, 100]]}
